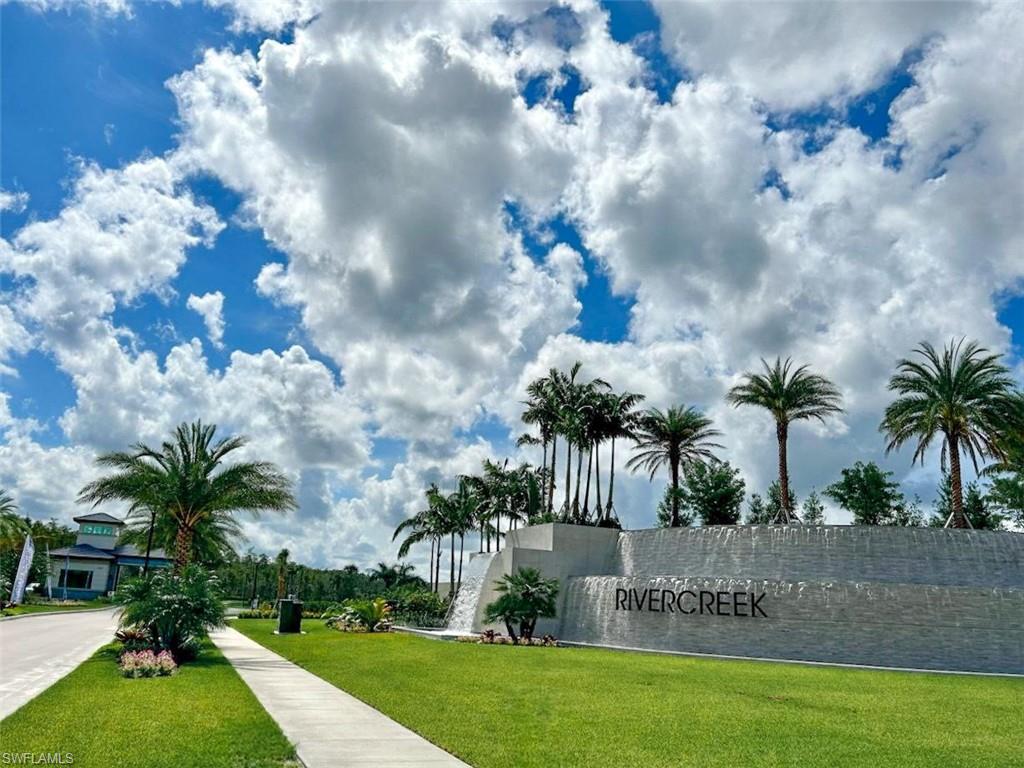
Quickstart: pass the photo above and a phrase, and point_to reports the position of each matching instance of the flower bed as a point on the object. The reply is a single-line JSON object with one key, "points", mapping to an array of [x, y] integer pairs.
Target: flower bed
{"points": [[147, 664]]}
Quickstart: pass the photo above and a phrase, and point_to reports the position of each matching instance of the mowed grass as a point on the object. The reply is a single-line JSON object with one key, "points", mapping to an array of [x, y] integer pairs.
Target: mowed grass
{"points": [[84, 605], [505, 706], [204, 715]]}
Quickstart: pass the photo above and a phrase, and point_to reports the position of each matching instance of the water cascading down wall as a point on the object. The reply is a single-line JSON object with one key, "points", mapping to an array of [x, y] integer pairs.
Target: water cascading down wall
{"points": [[899, 597]]}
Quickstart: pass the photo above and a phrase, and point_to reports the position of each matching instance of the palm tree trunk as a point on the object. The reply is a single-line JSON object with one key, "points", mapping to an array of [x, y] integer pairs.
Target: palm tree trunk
{"points": [[149, 542], [182, 549], [597, 477], [544, 470], [430, 570], [586, 494], [611, 483], [551, 480], [462, 549], [579, 475], [497, 532], [782, 433], [958, 519], [437, 567], [675, 494], [568, 472], [483, 524], [451, 572]]}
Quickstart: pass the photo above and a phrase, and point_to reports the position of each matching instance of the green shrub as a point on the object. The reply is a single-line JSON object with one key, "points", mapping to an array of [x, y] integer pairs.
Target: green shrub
{"points": [[418, 608], [525, 597], [176, 611], [362, 615]]}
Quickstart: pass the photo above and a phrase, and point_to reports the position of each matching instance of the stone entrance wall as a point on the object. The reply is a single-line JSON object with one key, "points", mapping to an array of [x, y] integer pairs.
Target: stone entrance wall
{"points": [[923, 598]]}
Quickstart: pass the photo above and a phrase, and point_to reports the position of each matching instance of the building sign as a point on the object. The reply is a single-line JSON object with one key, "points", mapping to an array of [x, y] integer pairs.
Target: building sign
{"points": [[21, 578], [688, 601], [98, 530]]}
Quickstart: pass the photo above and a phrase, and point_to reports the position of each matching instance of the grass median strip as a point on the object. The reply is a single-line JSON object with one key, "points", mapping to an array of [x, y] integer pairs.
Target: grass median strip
{"points": [[498, 706], [202, 716]]}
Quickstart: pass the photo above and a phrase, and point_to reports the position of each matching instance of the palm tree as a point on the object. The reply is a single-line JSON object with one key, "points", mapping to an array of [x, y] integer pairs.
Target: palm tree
{"points": [[394, 575], [678, 437], [620, 417], [463, 505], [186, 480], [542, 409], [963, 394], [425, 525], [789, 395], [12, 527]]}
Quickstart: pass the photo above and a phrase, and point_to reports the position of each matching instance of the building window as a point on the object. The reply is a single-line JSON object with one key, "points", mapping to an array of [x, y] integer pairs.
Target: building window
{"points": [[75, 579]]}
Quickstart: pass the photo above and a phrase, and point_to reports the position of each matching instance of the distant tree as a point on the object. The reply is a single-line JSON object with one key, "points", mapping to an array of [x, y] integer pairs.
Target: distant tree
{"points": [[397, 575], [773, 503], [789, 395], [813, 510], [868, 492], [714, 492], [674, 498], [963, 396], [907, 514], [757, 512], [1007, 494]]}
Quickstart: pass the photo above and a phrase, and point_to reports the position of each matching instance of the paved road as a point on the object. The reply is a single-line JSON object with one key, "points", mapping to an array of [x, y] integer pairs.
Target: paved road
{"points": [[329, 728], [37, 651]]}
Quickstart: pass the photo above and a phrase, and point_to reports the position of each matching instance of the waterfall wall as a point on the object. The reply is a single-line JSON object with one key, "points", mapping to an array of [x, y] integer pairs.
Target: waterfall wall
{"points": [[925, 598]]}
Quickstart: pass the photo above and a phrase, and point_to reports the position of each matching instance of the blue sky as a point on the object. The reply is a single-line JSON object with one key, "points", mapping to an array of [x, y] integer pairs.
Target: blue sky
{"points": [[657, 234]]}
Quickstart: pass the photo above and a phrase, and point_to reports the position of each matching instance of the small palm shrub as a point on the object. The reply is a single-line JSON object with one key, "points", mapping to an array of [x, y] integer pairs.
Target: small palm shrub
{"points": [[525, 597], [147, 664], [362, 615], [176, 611]]}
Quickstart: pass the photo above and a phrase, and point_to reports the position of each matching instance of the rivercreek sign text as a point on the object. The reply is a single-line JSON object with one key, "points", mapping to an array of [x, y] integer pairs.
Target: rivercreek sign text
{"points": [[690, 601]]}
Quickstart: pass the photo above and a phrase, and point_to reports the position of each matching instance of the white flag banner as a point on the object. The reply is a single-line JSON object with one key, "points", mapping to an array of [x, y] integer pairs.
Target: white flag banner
{"points": [[21, 579]]}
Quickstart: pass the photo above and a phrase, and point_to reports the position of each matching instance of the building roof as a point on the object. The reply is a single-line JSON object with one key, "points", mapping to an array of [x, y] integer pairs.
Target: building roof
{"points": [[98, 517], [130, 550], [89, 552], [83, 551]]}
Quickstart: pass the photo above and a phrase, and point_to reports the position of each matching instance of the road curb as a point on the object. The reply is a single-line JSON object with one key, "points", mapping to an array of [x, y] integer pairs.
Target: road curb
{"points": [[54, 613]]}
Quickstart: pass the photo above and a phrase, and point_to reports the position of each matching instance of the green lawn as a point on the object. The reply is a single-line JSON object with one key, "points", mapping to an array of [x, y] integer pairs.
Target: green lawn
{"points": [[73, 605], [505, 706], [202, 716]]}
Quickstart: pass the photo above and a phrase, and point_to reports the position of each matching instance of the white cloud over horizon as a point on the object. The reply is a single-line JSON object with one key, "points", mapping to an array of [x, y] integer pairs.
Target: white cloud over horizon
{"points": [[380, 151]]}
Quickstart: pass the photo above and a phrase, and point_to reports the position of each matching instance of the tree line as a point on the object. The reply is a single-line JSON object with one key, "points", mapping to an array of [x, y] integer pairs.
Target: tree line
{"points": [[961, 399]]}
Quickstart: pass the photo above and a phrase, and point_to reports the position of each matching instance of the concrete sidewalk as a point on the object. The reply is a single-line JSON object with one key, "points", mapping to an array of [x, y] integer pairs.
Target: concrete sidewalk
{"points": [[328, 727]]}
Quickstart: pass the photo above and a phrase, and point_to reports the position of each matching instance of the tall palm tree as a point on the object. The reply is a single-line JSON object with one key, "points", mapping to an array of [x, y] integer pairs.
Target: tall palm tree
{"points": [[676, 438], [542, 409], [425, 525], [963, 394], [620, 417], [187, 480], [789, 395]]}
